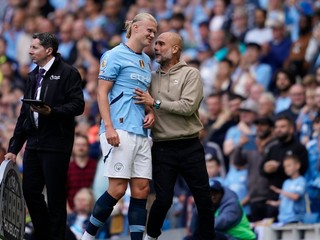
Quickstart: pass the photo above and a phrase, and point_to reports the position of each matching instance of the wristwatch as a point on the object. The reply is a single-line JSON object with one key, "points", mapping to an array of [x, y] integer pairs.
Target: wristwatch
{"points": [[157, 103]]}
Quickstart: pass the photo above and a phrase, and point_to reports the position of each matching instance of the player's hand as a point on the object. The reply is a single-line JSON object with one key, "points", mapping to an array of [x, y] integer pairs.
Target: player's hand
{"points": [[11, 156], [112, 137], [45, 109], [149, 120]]}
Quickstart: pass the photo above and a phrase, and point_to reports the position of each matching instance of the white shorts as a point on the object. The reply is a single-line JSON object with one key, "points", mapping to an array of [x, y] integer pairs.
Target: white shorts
{"points": [[132, 159]]}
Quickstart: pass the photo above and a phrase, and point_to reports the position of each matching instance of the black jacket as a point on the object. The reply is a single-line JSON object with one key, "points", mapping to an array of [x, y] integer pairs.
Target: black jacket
{"points": [[278, 152], [61, 90]]}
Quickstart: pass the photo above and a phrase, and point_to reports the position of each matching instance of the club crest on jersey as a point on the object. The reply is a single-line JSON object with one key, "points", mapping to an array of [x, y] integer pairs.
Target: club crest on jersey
{"points": [[141, 64], [104, 63]]}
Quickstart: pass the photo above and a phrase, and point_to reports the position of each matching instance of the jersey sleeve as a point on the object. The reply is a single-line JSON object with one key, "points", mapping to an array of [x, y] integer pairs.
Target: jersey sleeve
{"points": [[109, 66]]}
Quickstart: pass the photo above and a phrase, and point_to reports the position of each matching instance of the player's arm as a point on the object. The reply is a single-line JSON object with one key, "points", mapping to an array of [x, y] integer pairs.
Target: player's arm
{"points": [[104, 88]]}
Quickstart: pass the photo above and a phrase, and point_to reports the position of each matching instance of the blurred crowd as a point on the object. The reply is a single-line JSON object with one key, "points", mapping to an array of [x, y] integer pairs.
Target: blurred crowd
{"points": [[260, 65]]}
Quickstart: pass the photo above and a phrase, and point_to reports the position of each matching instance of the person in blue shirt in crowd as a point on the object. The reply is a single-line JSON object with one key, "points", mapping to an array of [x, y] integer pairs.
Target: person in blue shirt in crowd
{"points": [[237, 181], [313, 173], [292, 206], [123, 131]]}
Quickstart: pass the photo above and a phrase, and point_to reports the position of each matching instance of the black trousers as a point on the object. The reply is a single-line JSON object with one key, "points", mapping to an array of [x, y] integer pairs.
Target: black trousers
{"points": [[50, 169], [184, 157], [258, 211]]}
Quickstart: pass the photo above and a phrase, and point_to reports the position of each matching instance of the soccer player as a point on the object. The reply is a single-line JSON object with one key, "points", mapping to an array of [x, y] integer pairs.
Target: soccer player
{"points": [[123, 132]]}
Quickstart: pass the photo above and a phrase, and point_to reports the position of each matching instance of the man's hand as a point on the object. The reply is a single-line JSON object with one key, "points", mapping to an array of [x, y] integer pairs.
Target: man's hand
{"points": [[143, 97], [45, 109], [11, 156], [271, 166]]}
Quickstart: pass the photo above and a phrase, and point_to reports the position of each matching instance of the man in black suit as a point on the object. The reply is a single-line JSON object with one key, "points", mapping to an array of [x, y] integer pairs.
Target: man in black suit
{"points": [[49, 132]]}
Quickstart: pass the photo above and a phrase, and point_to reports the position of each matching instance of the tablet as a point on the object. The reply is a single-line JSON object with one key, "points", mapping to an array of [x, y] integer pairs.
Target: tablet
{"points": [[35, 102]]}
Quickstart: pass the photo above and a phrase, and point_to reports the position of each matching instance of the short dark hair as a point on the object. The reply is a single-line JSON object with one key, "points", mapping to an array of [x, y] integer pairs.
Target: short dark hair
{"points": [[293, 157], [48, 40], [284, 117], [286, 72], [214, 159], [228, 61], [316, 119]]}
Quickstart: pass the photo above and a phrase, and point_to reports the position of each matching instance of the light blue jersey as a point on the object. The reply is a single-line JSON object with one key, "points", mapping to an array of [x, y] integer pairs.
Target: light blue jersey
{"points": [[128, 70], [237, 181], [291, 210]]}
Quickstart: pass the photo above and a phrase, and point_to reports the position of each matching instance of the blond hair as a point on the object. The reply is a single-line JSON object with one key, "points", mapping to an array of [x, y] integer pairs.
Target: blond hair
{"points": [[88, 193], [138, 17]]}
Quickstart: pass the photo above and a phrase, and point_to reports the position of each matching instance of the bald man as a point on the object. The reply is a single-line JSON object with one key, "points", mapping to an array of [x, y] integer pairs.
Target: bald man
{"points": [[176, 92]]}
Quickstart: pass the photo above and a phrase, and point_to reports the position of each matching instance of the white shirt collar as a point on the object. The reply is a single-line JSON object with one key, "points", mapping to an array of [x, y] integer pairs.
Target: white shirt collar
{"points": [[48, 65]]}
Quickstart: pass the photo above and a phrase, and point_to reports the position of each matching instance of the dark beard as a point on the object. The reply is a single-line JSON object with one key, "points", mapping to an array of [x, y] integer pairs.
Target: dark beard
{"points": [[285, 89], [283, 138], [265, 134]]}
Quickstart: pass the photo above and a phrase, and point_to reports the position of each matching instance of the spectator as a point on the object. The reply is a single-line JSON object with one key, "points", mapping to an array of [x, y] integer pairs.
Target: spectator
{"points": [[279, 47], [213, 166], [295, 62], [313, 173], [266, 105], [292, 14], [218, 12], [161, 10], [257, 183], [283, 82], [239, 25], [231, 222], [255, 91], [260, 34], [23, 43], [233, 105], [82, 169], [213, 150], [236, 135], [252, 70], [77, 220], [93, 14], [222, 81], [292, 206], [297, 96], [113, 11], [309, 81], [312, 56], [209, 67], [12, 34], [234, 4], [216, 117], [275, 11], [67, 46], [306, 116], [272, 166], [237, 179]]}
